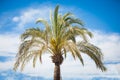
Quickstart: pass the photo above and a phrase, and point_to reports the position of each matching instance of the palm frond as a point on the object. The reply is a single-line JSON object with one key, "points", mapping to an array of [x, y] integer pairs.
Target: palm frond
{"points": [[71, 46], [33, 32], [25, 60], [55, 20], [71, 20], [94, 52], [82, 32], [67, 15], [56, 15], [35, 57], [47, 30]]}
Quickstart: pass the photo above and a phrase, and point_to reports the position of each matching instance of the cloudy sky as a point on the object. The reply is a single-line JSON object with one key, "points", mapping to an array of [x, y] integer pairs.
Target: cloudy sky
{"points": [[101, 17]]}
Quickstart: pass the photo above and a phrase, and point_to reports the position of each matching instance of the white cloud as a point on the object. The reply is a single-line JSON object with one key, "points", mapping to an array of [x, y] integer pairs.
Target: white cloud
{"points": [[109, 43], [6, 65], [30, 15], [8, 43], [74, 69], [118, 68], [15, 19]]}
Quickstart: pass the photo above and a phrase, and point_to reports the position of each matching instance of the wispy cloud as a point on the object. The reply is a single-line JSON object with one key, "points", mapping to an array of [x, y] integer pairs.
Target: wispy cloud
{"points": [[9, 43], [29, 16], [109, 43], [6, 65]]}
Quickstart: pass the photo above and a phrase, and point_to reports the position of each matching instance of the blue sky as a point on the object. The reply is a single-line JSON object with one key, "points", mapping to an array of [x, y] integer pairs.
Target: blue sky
{"points": [[102, 17], [105, 10]]}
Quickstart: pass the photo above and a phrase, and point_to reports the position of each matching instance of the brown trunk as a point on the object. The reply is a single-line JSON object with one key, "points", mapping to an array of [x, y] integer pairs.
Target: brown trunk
{"points": [[57, 72]]}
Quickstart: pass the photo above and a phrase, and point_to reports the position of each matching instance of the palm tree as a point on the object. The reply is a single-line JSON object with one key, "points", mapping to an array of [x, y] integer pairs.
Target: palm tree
{"points": [[57, 38]]}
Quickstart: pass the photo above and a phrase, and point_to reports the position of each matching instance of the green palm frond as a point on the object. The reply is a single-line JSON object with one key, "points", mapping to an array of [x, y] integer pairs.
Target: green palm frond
{"points": [[71, 20], [35, 57], [94, 52], [47, 30], [33, 32], [71, 46], [47, 26], [67, 15], [82, 32], [55, 20], [22, 60], [56, 15], [25, 60], [76, 51]]}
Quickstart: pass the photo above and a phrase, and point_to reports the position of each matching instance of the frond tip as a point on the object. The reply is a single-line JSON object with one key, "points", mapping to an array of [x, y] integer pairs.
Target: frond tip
{"points": [[94, 52]]}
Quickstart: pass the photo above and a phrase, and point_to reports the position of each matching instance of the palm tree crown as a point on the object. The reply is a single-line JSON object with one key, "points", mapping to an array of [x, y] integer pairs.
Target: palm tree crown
{"points": [[57, 38]]}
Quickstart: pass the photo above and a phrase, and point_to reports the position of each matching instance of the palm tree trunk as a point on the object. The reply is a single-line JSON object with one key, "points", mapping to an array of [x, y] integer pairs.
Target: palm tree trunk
{"points": [[57, 72]]}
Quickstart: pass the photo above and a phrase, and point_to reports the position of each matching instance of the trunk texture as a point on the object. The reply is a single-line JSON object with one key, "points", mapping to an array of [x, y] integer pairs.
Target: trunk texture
{"points": [[57, 72]]}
